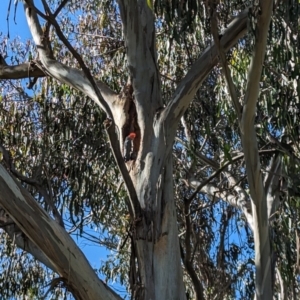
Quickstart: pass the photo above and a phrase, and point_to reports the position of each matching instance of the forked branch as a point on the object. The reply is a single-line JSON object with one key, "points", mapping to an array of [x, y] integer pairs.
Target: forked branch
{"points": [[82, 81], [187, 88]]}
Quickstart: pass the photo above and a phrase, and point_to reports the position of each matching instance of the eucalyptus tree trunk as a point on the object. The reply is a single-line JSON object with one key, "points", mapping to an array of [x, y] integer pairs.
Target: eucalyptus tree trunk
{"points": [[155, 242], [246, 116], [263, 280]]}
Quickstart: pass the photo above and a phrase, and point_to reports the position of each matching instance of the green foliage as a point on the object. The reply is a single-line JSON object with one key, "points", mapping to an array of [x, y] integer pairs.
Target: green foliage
{"points": [[56, 136]]}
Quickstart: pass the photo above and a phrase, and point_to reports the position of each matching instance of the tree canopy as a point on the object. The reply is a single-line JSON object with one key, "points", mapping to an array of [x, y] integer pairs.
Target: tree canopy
{"points": [[208, 206]]}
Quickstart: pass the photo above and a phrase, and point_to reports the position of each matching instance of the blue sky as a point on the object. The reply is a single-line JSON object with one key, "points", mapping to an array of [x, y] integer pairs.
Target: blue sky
{"points": [[96, 254], [17, 27]]}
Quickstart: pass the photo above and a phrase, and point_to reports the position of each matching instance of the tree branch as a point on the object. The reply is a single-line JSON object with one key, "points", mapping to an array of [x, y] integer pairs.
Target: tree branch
{"points": [[272, 184], [192, 273], [24, 70], [82, 81], [56, 244], [139, 36], [60, 7], [239, 201], [133, 205], [220, 170], [21, 240], [33, 69], [225, 68], [188, 86], [223, 224]]}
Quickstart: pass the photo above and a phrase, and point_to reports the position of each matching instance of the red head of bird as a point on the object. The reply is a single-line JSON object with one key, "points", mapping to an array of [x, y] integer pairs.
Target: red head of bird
{"points": [[132, 135]]}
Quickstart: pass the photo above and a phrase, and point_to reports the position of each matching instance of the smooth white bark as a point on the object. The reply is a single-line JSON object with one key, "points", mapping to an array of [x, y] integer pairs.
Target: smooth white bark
{"points": [[263, 277], [52, 239]]}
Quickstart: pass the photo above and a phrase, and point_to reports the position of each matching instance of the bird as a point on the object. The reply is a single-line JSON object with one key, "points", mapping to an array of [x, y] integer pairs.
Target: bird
{"points": [[128, 147]]}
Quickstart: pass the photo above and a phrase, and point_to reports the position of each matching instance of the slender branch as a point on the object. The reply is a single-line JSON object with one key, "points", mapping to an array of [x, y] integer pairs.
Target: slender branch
{"points": [[188, 230], [60, 7], [33, 69], [32, 181], [272, 184], [282, 285], [273, 170], [193, 275], [187, 132], [83, 82], [263, 20], [225, 68], [223, 224], [297, 264], [216, 173], [133, 205]]}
